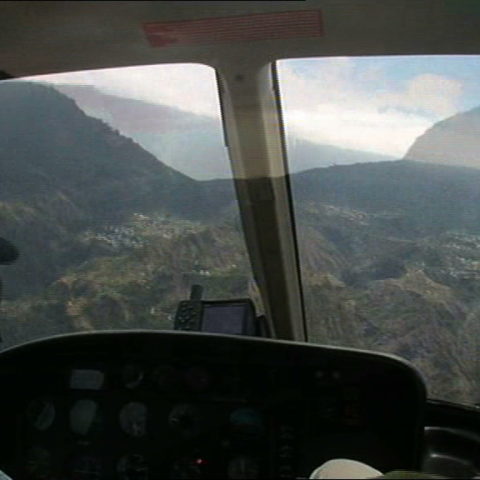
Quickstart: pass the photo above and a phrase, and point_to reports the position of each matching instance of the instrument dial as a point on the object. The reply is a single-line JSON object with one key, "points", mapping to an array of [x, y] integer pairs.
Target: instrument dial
{"points": [[132, 375], [184, 419], [133, 419], [166, 378], [85, 417], [41, 414], [197, 379]]}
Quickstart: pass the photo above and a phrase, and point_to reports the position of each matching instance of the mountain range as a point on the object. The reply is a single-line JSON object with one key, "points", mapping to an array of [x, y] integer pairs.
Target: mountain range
{"points": [[112, 237], [161, 130]]}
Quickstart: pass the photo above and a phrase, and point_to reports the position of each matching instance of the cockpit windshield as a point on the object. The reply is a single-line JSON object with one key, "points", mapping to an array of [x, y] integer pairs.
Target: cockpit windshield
{"points": [[117, 191], [384, 154]]}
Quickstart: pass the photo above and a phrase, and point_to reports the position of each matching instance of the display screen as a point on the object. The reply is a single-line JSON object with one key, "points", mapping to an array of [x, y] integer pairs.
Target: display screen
{"points": [[83, 379], [224, 318]]}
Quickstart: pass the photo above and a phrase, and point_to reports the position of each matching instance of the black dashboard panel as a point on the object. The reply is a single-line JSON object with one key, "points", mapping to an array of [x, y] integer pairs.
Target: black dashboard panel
{"points": [[149, 405]]}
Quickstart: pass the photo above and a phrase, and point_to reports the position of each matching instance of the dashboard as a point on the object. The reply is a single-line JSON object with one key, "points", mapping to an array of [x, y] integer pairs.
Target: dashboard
{"points": [[147, 405]]}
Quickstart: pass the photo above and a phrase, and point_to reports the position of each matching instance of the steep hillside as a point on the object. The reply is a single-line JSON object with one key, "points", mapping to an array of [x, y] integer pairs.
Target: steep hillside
{"points": [[453, 141], [50, 145], [62, 172]]}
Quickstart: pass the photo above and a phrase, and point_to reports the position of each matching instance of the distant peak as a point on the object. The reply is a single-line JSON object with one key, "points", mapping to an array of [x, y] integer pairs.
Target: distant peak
{"points": [[452, 141]]}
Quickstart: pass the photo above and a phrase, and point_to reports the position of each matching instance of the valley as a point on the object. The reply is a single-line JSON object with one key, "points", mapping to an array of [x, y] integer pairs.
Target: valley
{"points": [[110, 237]]}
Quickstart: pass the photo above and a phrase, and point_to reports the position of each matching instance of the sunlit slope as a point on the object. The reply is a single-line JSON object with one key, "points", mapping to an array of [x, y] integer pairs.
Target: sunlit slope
{"points": [[453, 141]]}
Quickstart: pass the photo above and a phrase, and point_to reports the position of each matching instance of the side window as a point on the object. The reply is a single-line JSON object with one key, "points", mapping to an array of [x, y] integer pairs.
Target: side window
{"points": [[384, 156]]}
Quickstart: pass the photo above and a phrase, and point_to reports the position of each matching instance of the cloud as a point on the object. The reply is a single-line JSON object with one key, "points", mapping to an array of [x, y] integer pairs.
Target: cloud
{"points": [[367, 130], [334, 101], [190, 87], [427, 93]]}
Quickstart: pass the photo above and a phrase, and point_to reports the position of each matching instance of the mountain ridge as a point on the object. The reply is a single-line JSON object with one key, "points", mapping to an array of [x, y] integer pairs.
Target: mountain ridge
{"points": [[162, 130]]}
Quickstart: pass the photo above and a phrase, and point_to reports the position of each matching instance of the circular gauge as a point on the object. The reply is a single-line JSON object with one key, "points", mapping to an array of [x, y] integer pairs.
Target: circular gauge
{"points": [[184, 419], [166, 378], [86, 467], [242, 467], [38, 463], [328, 407], [41, 414], [85, 417], [132, 467], [197, 379], [132, 375], [247, 421], [133, 419]]}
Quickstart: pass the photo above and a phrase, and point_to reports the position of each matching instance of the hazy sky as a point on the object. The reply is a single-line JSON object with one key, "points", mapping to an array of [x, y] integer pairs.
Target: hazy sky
{"points": [[377, 104]]}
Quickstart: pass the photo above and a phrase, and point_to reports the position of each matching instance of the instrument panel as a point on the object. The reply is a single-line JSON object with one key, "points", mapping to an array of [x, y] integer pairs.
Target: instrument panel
{"points": [[139, 406]]}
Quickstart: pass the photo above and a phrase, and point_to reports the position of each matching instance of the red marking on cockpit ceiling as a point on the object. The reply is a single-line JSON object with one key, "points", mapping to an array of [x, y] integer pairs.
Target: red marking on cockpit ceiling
{"points": [[245, 28]]}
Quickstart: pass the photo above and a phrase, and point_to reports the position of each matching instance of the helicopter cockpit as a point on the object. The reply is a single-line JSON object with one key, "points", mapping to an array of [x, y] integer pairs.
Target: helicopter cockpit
{"points": [[247, 238]]}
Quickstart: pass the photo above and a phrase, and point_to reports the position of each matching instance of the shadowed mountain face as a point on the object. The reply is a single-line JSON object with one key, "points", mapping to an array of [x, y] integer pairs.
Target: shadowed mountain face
{"points": [[62, 172], [111, 237], [453, 141], [50, 146]]}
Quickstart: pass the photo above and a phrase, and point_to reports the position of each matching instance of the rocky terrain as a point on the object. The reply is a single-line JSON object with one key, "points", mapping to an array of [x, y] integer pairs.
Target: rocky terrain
{"points": [[110, 237]]}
